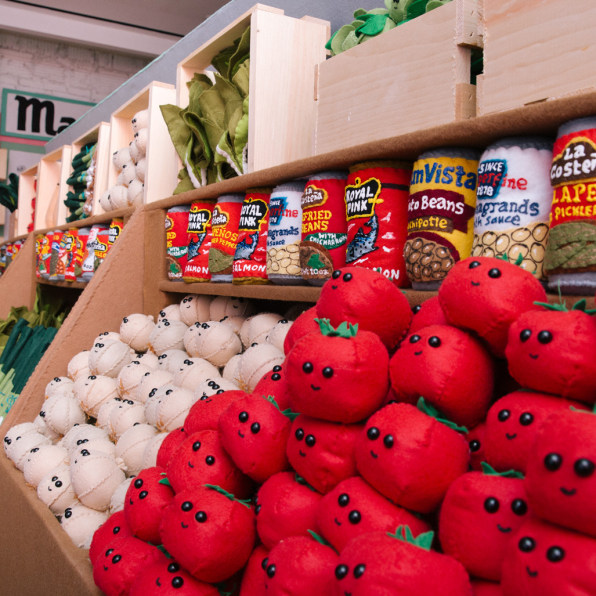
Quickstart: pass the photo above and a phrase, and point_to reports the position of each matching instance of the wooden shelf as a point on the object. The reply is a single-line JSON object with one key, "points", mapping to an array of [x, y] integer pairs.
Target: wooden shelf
{"points": [[74, 285]]}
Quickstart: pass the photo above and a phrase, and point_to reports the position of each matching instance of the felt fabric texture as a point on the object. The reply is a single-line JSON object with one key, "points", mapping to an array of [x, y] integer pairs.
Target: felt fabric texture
{"points": [[213, 341], [169, 445], [285, 506], [349, 294], [254, 433], [479, 515], [559, 476], [168, 578], [427, 313], [549, 561], [486, 588], [449, 368], [487, 295], [553, 351], [205, 413], [274, 384], [353, 508], [253, 577], [410, 457], [477, 442], [322, 452], [115, 526], [211, 535], [304, 324]]}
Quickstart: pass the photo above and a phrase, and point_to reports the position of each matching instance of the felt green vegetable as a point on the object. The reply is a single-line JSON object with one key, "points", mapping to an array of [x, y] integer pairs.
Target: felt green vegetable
{"points": [[9, 192], [78, 180]]}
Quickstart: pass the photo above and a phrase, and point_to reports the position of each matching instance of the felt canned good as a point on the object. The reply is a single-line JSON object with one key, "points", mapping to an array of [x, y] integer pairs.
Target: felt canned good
{"points": [[199, 241], [80, 247], [176, 241], [69, 244], [224, 236], [440, 214], [97, 234], [45, 255], [377, 211], [513, 201], [56, 263]]}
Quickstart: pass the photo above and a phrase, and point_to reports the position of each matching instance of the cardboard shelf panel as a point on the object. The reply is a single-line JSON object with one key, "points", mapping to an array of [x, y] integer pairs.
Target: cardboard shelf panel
{"points": [[54, 169], [28, 189], [17, 284]]}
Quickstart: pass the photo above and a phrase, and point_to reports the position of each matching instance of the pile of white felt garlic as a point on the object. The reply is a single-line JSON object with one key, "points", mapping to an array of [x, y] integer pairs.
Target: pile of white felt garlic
{"points": [[131, 164], [104, 422]]}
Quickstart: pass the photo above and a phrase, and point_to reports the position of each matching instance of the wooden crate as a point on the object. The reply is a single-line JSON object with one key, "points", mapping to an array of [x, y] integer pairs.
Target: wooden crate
{"points": [[162, 165], [414, 77], [54, 169], [27, 190], [534, 51], [284, 52]]}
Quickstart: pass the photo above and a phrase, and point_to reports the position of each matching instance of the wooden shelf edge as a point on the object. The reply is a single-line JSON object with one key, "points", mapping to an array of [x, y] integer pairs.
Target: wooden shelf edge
{"points": [[14, 239], [75, 285]]}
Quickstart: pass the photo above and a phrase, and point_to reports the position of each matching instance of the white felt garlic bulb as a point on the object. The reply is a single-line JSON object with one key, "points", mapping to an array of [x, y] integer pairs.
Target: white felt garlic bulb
{"points": [[124, 177], [195, 308], [231, 371], [62, 412], [135, 193], [141, 169], [140, 120], [213, 341], [106, 336], [152, 449], [129, 379], [134, 152], [256, 361], [167, 335], [19, 449], [78, 365], [170, 313], [256, 328], [172, 360], [135, 330], [213, 387], [148, 359], [80, 523], [235, 323], [88, 435], [118, 496], [277, 335], [125, 416], [42, 460], [152, 381], [44, 429], [131, 446], [116, 197], [103, 416], [141, 138], [174, 408], [105, 200], [55, 489], [121, 157], [230, 306], [109, 358], [59, 385], [94, 391], [15, 433], [195, 371]]}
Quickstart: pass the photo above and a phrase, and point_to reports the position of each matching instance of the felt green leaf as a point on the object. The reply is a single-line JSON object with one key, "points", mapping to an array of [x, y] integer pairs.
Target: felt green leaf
{"points": [[431, 411], [219, 489], [373, 24], [432, 4], [490, 471], [351, 40], [416, 8], [423, 540], [241, 78], [179, 131], [302, 481], [344, 329], [165, 480], [162, 548], [240, 54]]}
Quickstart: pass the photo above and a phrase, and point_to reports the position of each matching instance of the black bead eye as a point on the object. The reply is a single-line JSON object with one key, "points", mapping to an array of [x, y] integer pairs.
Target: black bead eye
{"points": [[109, 552], [277, 367], [67, 512], [491, 505], [343, 499], [173, 567], [299, 434], [196, 445], [503, 415], [243, 416], [138, 483], [201, 517], [255, 427], [264, 563], [553, 462], [359, 570], [186, 506], [414, 338], [336, 274], [526, 544], [209, 460], [434, 341], [555, 554], [388, 441], [519, 507], [583, 467], [143, 494], [82, 441], [416, 309], [354, 517], [310, 440], [257, 509], [341, 571], [275, 377], [166, 323], [494, 273], [177, 582], [125, 320], [545, 337], [525, 334], [270, 570], [116, 530], [474, 445], [116, 558], [526, 419], [307, 367], [474, 264], [327, 372], [347, 276], [85, 452], [373, 433], [153, 391], [58, 483]]}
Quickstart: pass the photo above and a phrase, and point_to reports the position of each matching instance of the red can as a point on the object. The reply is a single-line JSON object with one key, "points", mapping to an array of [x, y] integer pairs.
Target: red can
{"points": [[199, 241], [224, 236], [176, 241]]}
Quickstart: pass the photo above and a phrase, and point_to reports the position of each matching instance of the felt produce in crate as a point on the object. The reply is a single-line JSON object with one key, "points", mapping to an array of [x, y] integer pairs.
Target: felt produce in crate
{"points": [[78, 365], [174, 407], [195, 309], [151, 450], [274, 384], [277, 335], [215, 386], [169, 445], [135, 330], [115, 526], [124, 416], [117, 500], [285, 506], [560, 480], [300, 565], [427, 313], [209, 532], [340, 375], [486, 588], [477, 441], [322, 452], [253, 576], [213, 341], [410, 457], [254, 433], [94, 391], [479, 515], [109, 357], [172, 360], [80, 523], [549, 561], [20, 446], [353, 508], [255, 362], [59, 385], [83, 434], [486, 295], [552, 350], [383, 563], [305, 323], [512, 423], [170, 312], [256, 328], [167, 335], [193, 371], [205, 413], [42, 460], [349, 294], [55, 490], [14, 434], [130, 378], [62, 412], [449, 368], [130, 447]]}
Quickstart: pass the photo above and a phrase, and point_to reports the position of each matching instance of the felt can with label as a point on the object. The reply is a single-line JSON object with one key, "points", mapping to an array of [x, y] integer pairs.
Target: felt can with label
{"points": [[224, 236], [513, 201], [250, 257], [377, 212], [199, 241], [283, 237], [69, 240], [102, 246], [570, 259], [116, 226], [79, 252], [440, 214], [56, 263], [176, 241], [324, 226], [38, 245], [89, 257], [45, 255]]}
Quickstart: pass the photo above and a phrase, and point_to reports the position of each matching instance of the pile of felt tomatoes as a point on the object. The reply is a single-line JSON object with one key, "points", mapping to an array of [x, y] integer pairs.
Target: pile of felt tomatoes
{"points": [[447, 451]]}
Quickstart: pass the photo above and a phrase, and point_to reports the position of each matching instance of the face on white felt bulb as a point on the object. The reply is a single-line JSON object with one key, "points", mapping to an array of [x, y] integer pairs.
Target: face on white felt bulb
{"points": [[213, 341], [135, 330], [55, 489], [80, 523]]}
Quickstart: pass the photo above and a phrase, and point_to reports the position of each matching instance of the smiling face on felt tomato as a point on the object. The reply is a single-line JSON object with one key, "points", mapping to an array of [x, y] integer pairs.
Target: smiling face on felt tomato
{"points": [[205, 413], [254, 433], [479, 515], [209, 534], [512, 423], [486, 295], [322, 452], [560, 475], [363, 296], [553, 351], [115, 526], [201, 459], [547, 560], [353, 508], [449, 368]]}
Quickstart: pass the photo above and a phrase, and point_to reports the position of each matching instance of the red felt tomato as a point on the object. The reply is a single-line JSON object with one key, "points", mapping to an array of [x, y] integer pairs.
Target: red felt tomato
{"points": [[486, 295], [427, 313], [484, 588], [205, 413], [174, 439], [169, 579], [253, 578], [476, 440], [303, 325], [114, 527], [274, 384]]}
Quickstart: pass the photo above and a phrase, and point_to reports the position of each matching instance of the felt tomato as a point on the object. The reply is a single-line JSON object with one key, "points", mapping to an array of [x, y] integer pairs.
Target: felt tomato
{"points": [[512, 423], [427, 313], [254, 433], [476, 441], [366, 298], [285, 506], [384, 565], [303, 325], [340, 375], [353, 508], [300, 565], [169, 445], [481, 587], [546, 560], [274, 384], [410, 457], [115, 570], [553, 351], [449, 368], [486, 295], [253, 578], [205, 413], [209, 533], [479, 514], [322, 452], [560, 480], [201, 459], [145, 500], [169, 579], [115, 526]]}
